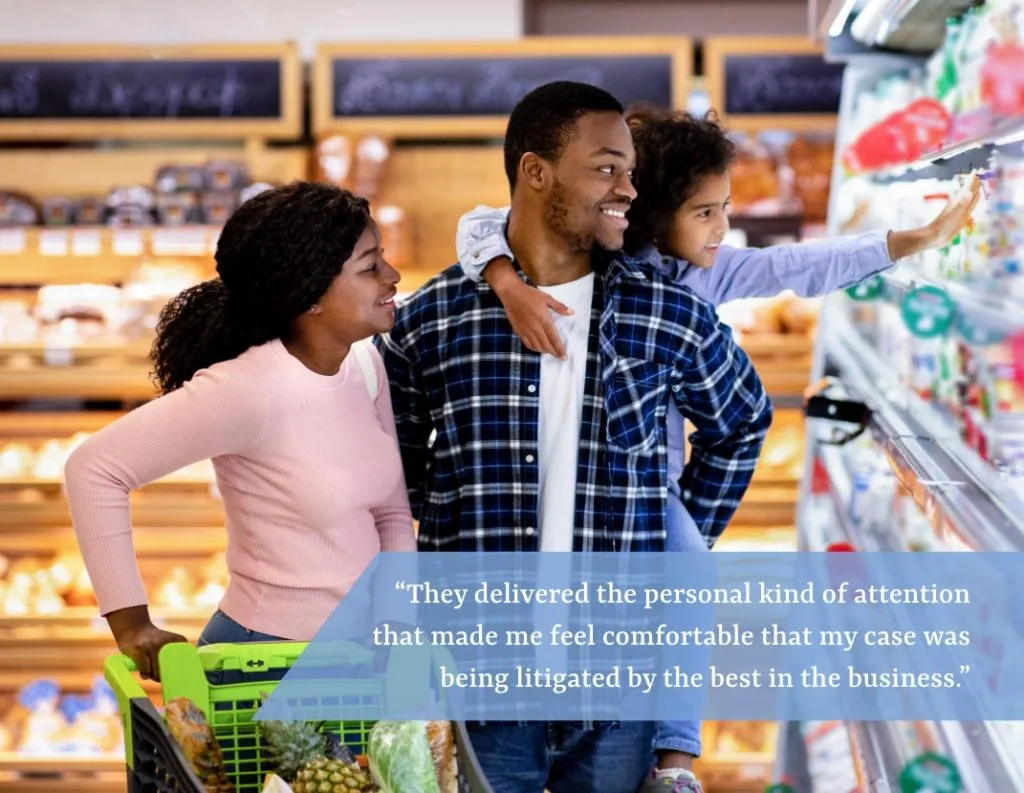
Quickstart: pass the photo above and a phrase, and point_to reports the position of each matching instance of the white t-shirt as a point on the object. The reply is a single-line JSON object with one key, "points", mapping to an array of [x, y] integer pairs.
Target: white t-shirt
{"points": [[562, 385]]}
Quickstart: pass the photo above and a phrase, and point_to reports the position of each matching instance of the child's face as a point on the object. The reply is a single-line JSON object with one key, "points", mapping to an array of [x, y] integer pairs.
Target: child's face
{"points": [[701, 222]]}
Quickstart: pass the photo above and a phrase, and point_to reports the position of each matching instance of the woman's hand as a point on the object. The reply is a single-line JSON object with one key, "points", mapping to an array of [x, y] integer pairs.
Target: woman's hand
{"points": [[141, 640]]}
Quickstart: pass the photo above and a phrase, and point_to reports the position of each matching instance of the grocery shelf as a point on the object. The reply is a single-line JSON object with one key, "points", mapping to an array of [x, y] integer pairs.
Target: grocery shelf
{"points": [[41, 256], [98, 381], [959, 157], [906, 25], [994, 315], [938, 469], [170, 539]]}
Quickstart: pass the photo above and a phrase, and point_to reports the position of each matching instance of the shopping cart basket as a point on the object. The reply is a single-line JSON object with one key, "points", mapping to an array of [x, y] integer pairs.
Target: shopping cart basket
{"points": [[227, 682]]}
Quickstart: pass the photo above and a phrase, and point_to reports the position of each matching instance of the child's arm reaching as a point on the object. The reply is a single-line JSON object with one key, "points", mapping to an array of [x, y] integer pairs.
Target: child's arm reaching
{"points": [[816, 268], [484, 253]]}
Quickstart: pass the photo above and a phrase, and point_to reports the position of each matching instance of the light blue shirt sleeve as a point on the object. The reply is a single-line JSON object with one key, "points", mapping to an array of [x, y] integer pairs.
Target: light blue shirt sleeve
{"points": [[480, 237], [809, 269]]}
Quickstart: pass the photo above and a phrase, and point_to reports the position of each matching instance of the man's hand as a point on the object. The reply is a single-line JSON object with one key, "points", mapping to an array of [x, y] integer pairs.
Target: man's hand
{"points": [[141, 640], [528, 309], [953, 218]]}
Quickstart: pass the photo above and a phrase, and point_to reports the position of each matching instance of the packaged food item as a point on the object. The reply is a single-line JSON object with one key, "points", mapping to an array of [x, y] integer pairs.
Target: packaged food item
{"points": [[16, 210], [179, 179], [178, 209], [90, 211], [225, 176], [58, 211], [217, 207]]}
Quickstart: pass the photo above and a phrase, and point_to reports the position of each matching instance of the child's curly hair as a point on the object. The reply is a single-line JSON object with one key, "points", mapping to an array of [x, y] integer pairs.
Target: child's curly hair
{"points": [[674, 151]]}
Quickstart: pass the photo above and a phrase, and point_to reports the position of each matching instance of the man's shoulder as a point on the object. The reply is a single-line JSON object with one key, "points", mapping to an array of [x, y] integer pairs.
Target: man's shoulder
{"points": [[650, 289]]}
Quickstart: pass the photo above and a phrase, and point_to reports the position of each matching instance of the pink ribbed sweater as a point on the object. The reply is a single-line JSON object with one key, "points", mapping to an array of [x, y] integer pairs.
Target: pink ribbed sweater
{"points": [[308, 467]]}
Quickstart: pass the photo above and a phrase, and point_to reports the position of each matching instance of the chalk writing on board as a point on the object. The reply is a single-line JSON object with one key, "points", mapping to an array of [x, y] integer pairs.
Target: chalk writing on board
{"points": [[19, 96], [491, 86], [150, 89], [782, 84]]}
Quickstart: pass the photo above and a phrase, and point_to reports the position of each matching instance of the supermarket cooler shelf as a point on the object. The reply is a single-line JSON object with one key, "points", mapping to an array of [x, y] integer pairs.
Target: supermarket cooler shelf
{"points": [[976, 507]]}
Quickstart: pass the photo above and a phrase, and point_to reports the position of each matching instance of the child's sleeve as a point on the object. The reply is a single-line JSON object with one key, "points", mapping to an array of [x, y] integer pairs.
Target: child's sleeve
{"points": [[480, 237]]}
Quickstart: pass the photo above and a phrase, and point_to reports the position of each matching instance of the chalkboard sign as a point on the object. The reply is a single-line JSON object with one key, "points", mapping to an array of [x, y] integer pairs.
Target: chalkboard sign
{"points": [[203, 90], [97, 90], [405, 87], [781, 84]]}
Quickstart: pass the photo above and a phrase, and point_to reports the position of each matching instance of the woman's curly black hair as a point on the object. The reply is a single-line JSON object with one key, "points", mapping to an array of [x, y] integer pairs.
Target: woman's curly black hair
{"points": [[276, 257], [674, 151]]}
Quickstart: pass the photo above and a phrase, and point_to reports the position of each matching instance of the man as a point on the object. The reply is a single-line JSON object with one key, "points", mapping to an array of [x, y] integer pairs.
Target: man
{"points": [[541, 454]]}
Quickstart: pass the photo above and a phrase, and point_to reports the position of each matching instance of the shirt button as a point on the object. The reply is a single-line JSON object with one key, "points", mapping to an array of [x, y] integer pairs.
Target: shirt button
{"points": [[529, 458], [531, 388], [529, 531], [686, 494]]}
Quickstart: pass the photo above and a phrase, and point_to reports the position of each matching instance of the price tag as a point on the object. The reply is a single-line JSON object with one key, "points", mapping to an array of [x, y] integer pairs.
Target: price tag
{"points": [[53, 242], [780, 788], [57, 355], [868, 289], [86, 242], [930, 773], [183, 241], [12, 241], [128, 242], [928, 312]]}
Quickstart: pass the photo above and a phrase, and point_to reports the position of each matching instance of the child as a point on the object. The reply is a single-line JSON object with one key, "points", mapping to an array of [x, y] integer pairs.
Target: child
{"points": [[676, 225]]}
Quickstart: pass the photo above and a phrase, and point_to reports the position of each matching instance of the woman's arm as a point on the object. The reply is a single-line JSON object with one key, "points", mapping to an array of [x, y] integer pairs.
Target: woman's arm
{"points": [[216, 413]]}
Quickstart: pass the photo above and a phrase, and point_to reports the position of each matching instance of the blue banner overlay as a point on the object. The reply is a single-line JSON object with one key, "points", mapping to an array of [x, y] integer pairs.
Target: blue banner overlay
{"points": [[637, 637]]}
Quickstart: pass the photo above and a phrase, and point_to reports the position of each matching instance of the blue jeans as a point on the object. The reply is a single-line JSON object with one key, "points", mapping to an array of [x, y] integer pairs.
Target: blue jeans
{"points": [[682, 536], [221, 629], [563, 758]]}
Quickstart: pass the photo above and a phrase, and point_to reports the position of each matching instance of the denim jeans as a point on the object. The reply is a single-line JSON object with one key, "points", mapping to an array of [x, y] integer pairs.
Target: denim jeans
{"points": [[221, 629], [682, 536], [563, 758]]}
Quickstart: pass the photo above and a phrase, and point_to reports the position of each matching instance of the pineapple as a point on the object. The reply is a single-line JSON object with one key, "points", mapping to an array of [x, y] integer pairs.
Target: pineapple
{"points": [[292, 745], [189, 728], [332, 776]]}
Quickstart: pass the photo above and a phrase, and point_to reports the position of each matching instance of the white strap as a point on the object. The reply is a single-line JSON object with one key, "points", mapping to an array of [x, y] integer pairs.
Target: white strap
{"points": [[366, 365]]}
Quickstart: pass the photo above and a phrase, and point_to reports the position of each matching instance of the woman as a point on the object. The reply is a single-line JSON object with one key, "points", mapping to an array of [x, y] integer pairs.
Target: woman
{"points": [[257, 375]]}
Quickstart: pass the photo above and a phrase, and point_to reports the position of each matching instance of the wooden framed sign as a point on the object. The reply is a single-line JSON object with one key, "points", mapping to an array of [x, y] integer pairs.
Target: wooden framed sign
{"points": [[758, 83], [469, 89], [79, 92]]}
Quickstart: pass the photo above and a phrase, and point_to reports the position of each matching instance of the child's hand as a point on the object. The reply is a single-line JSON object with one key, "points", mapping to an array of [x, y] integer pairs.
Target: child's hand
{"points": [[528, 309], [529, 312], [956, 214]]}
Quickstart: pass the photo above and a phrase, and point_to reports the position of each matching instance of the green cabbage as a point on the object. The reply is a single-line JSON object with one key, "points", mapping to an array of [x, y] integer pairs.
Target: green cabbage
{"points": [[400, 758]]}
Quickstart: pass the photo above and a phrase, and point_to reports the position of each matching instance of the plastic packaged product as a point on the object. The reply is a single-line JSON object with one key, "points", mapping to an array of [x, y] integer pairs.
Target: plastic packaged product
{"points": [[829, 760]]}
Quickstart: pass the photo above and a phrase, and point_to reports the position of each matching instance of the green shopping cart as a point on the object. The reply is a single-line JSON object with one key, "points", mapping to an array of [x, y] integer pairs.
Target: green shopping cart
{"points": [[226, 682]]}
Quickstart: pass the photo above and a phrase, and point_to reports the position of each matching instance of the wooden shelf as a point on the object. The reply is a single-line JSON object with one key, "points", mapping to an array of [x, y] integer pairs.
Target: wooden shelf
{"points": [[172, 539], [98, 381], [99, 255], [44, 424]]}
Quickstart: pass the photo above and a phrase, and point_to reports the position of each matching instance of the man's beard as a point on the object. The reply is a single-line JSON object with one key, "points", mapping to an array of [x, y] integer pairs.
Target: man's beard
{"points": [[556, 215]]}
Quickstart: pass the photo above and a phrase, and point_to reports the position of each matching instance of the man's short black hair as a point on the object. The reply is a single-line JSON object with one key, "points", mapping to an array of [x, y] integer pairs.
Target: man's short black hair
{"points": [[543, 120]]}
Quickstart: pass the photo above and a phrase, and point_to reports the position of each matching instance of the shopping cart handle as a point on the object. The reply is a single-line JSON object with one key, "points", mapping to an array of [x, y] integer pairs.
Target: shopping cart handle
{"points": [[119, 672]]}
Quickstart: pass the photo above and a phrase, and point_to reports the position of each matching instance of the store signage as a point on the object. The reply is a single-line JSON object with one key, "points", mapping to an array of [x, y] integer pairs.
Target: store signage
{"points": [[930, 773], [486, 86], [869, 289], [469, 89], [79, 92], [928, 311], [781, 84]]}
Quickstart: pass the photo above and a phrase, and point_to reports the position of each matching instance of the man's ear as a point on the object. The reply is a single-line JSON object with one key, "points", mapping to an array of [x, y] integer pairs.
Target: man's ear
{"points": [[533, 171]]}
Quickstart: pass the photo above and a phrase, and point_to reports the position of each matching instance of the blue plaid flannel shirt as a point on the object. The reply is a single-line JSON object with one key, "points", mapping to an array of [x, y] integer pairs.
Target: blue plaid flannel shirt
{"points": [[457, 369]]}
